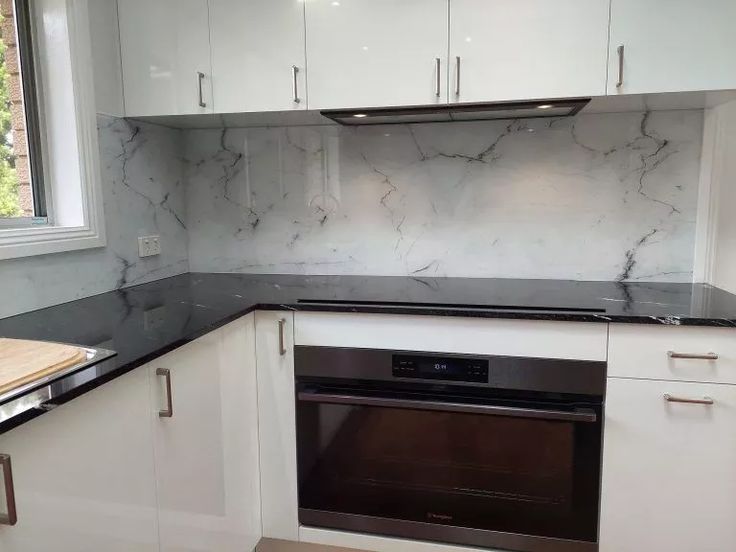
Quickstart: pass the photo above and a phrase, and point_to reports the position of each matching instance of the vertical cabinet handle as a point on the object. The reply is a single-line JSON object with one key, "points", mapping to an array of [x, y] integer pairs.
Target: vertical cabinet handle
{"points": [[457, 75], [168, 412], [282, 345], [295, 83], [438, 68], [11, 515], [200, 78], [620, 81]]}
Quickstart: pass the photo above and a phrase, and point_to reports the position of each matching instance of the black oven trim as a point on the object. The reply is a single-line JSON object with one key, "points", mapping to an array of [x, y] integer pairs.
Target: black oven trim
{"points": [[580, 377], [440, 533]]}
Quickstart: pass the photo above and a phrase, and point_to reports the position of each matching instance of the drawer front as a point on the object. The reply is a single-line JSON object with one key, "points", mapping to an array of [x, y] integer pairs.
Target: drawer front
{"points": [[672, 353], [525, 338]]}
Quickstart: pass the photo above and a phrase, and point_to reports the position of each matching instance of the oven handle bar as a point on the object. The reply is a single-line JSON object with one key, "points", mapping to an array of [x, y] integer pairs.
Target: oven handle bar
{"points": [[581, 415]]}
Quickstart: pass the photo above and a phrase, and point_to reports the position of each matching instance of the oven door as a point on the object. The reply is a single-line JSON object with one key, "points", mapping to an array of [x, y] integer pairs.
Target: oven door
{"points": [[515, 474]]}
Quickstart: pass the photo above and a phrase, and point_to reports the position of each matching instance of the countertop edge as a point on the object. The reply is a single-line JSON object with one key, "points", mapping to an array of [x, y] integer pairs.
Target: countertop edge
{"points": [[19, 419]]}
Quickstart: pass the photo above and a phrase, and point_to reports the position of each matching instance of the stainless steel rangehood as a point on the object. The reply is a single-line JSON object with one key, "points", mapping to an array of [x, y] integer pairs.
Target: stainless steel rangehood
{"points": [[446, 113]]}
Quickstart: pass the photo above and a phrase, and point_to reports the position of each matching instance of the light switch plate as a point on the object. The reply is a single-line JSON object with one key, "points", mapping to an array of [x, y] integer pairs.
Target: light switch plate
{"points": [[148, 246]]}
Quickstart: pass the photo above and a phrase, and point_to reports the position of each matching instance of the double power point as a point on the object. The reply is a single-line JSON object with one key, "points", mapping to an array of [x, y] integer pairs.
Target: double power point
{"points": [[149, 246]]}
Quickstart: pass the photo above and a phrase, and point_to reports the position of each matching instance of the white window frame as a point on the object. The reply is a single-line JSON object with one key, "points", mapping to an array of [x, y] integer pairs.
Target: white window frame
{"points": [[42, 240]]}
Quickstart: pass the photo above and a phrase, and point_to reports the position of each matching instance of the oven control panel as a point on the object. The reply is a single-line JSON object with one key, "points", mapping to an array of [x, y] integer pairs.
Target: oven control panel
{"points": [[441, 368]]}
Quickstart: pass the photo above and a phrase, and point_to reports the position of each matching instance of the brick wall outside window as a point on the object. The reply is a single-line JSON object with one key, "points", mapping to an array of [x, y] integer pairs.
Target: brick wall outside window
{"points": [[20, 143]]}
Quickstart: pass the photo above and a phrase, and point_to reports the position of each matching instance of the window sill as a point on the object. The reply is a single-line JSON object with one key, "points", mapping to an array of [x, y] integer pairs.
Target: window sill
{"points": [[28, 242]]}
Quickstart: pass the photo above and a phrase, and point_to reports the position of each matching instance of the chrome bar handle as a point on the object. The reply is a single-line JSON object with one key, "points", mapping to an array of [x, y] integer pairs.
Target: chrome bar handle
{"points": [[705, 400], [168, 412], [11, 516], [295, 83], [620, 51], [282, 346], [200, 78], [457, 75], [578, 415], [694, 356], [438, 68]]}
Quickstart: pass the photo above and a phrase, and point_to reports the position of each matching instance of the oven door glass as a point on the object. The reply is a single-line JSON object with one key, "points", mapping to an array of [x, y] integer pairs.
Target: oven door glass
{"points": [[509, 466]]}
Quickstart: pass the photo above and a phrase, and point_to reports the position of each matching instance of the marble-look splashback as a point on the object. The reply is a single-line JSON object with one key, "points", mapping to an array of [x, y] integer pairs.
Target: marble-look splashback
{"points": [[596, 197], [143, 192]]}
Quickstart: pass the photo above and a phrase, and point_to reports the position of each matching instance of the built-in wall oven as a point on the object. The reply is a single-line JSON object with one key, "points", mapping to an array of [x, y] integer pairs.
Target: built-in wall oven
{"points": [[499, 452]]}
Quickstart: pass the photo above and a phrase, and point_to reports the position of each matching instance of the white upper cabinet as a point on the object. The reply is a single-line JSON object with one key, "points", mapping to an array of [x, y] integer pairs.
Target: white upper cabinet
{"points": [[368, 53], [668, 467], [672, 46], [527, 49], [206, 443], [258, 61], [83, 474], [165, 49]]}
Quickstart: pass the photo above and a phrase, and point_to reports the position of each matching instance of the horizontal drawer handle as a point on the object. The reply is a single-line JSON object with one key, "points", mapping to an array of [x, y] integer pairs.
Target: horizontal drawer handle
{"points": [[694, 356], [704, 400]]}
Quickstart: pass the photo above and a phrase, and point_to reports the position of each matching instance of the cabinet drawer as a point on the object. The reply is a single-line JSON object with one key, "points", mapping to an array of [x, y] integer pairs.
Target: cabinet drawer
{"points": [[524, 338], [661, 352]]}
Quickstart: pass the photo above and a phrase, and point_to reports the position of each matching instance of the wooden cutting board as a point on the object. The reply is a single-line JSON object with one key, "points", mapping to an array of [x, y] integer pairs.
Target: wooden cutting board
{"points": [[22, 361]]}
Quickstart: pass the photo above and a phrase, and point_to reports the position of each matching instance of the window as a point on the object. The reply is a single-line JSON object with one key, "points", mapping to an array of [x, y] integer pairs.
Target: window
{"points": [[50, 196], [22, 196]]}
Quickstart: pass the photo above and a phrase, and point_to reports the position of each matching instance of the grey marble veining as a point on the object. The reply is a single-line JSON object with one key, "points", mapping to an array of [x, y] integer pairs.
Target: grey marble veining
{"points": [[143, 193], [596, 197]]}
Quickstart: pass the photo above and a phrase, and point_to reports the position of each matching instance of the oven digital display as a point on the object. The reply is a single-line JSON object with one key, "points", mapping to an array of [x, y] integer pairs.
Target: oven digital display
{"points": [[440, 368]]}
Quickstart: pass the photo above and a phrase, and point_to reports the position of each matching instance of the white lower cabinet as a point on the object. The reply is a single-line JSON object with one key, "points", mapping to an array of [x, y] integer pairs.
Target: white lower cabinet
{"points": [[277, 424], [669, 481], [108, 472], [83, 474], [206, 450]]}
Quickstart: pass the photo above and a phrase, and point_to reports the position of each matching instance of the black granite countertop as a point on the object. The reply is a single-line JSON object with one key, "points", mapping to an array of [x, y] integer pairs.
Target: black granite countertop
{"points": [[144, 322]]}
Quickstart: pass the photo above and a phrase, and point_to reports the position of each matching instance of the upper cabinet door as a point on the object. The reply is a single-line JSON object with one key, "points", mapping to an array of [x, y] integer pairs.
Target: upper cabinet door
{"points": [[672, 46], [368, 53], [205, 420], [165, 48], [527, 49], [258, 61]]}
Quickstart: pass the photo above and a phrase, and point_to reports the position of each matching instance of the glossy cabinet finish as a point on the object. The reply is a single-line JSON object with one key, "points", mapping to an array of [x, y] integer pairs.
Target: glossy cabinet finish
{"points": [[206, 453], [672, 45], [668, 477], [165, 47], [84, 474], [277, 424], [673, 353], [526, 49], [523, 338], [367, 53], [258, 58]]}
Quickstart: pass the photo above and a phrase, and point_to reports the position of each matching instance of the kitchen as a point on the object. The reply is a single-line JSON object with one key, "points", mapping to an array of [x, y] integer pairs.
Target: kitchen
{"points": [[436, 275]]}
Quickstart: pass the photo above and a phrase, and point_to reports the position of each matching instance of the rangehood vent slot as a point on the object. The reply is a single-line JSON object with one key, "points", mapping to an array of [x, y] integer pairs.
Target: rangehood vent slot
{"points": [[447, 113]]}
